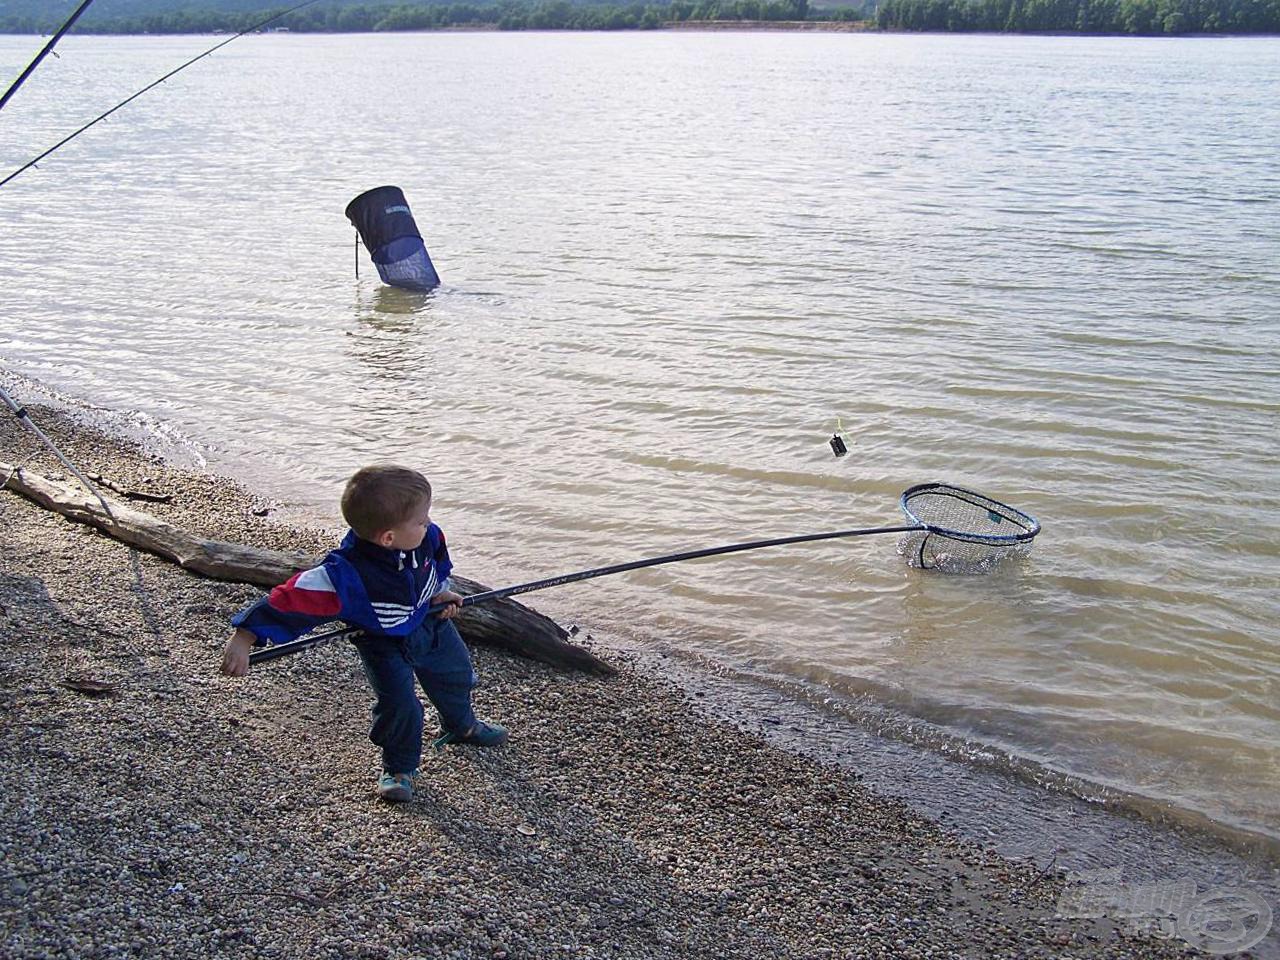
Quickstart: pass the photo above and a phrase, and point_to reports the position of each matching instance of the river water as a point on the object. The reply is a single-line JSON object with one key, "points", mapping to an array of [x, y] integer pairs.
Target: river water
{"points": [[1046, 268]]}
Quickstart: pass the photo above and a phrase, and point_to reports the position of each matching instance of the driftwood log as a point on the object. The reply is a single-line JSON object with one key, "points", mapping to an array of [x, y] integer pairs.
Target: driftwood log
{"points": [[505, 624]]}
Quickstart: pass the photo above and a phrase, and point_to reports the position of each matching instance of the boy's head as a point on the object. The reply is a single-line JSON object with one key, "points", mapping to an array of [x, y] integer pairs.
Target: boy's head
{"points": [[388, 505]]}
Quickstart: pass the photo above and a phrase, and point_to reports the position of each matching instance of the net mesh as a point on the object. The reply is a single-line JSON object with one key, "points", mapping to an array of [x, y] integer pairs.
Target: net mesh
{"points": [[965, 531], [405, 263]]}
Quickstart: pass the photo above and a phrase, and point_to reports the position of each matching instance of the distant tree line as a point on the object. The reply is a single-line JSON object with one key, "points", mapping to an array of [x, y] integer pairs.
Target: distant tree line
{"points": [[503, 14], [1144, 17], [1140, 17]]}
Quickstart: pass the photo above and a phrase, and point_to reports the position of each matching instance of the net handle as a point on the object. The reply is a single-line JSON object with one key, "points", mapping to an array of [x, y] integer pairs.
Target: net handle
{"points": [[1030, 526], [284, 649]]}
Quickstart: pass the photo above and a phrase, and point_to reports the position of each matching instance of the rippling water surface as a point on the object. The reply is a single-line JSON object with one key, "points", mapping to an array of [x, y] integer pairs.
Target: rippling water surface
{"points": [[1046, 268]]}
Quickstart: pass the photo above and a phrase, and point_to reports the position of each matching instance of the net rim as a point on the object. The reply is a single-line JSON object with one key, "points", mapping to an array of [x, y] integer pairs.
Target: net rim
{"points": [[1030, 525]]}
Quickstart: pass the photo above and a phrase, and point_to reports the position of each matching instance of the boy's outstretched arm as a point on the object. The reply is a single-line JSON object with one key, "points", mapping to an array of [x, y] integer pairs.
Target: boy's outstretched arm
{"points": [[307, 600]]}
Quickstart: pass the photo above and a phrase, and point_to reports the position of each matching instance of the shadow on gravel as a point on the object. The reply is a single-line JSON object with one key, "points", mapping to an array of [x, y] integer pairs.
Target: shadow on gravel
{"points": [[553, 851], [146, 609]]}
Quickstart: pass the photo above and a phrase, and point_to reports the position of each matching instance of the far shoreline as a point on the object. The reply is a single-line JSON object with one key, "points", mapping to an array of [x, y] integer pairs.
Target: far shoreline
{"points": [[698, 26]]}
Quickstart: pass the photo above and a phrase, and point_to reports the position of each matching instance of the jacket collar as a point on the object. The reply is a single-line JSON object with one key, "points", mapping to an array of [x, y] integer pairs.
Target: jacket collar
{"points": [[382, 556]]}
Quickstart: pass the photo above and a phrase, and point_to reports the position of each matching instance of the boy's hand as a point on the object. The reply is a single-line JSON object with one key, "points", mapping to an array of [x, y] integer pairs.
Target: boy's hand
{"points": [[235, 656], [453, 600]]}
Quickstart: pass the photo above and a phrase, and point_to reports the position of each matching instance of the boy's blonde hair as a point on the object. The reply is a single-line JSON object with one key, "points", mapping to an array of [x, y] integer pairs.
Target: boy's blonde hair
{"points": [[383, 496]]}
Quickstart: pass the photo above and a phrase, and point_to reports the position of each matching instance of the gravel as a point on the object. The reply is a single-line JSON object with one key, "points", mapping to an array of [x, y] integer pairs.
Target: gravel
{"points": [[184, 814]]}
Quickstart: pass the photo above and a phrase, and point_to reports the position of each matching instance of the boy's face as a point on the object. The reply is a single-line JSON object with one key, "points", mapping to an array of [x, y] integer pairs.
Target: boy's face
{"points": [[409, 533]]}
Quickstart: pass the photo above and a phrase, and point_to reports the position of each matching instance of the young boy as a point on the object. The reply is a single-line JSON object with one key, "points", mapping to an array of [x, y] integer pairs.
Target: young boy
{"points": [[391, 567]]}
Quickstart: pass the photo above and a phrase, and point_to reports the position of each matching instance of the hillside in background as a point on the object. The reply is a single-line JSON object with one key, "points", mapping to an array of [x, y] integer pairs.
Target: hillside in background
{"points": [[1124, 17], [55, 11], [220, 16]]}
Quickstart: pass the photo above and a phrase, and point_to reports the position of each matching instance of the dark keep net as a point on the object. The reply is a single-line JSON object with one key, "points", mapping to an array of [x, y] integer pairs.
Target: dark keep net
{"points": [[381, 216]]}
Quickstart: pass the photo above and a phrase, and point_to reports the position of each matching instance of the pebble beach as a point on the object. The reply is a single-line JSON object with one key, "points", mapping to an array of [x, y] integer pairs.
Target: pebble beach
{"points": [[177, 813]]}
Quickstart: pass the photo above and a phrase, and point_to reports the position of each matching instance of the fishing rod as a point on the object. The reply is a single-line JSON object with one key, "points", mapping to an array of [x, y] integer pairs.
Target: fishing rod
{"points": [[65, 140], [977, 530], [19, 411], [25, 419], [48, 49]]}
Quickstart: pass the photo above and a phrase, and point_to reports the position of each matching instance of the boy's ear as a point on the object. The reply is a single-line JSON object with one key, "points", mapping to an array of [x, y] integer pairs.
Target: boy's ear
{"points": [[384, 538]]}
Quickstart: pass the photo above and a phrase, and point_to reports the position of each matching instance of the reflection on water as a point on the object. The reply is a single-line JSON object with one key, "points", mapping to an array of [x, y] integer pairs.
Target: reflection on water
{"points": [[391, 302], [1044, 268]]}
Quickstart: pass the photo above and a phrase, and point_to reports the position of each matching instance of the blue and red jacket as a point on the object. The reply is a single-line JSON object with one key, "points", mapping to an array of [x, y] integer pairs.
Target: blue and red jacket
{"points": [[379, 590]]}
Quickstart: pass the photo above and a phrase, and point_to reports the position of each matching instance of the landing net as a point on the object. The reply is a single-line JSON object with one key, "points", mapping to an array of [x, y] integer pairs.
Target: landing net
{"points": [[963, 531]]}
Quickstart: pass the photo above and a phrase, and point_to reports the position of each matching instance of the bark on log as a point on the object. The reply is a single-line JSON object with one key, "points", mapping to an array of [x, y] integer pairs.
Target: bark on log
{"points": [[504, 623]]}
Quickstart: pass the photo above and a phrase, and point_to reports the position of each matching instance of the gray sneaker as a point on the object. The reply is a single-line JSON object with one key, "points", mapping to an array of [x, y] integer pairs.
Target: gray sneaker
{"points": [[481, 735], [396, 787]]}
